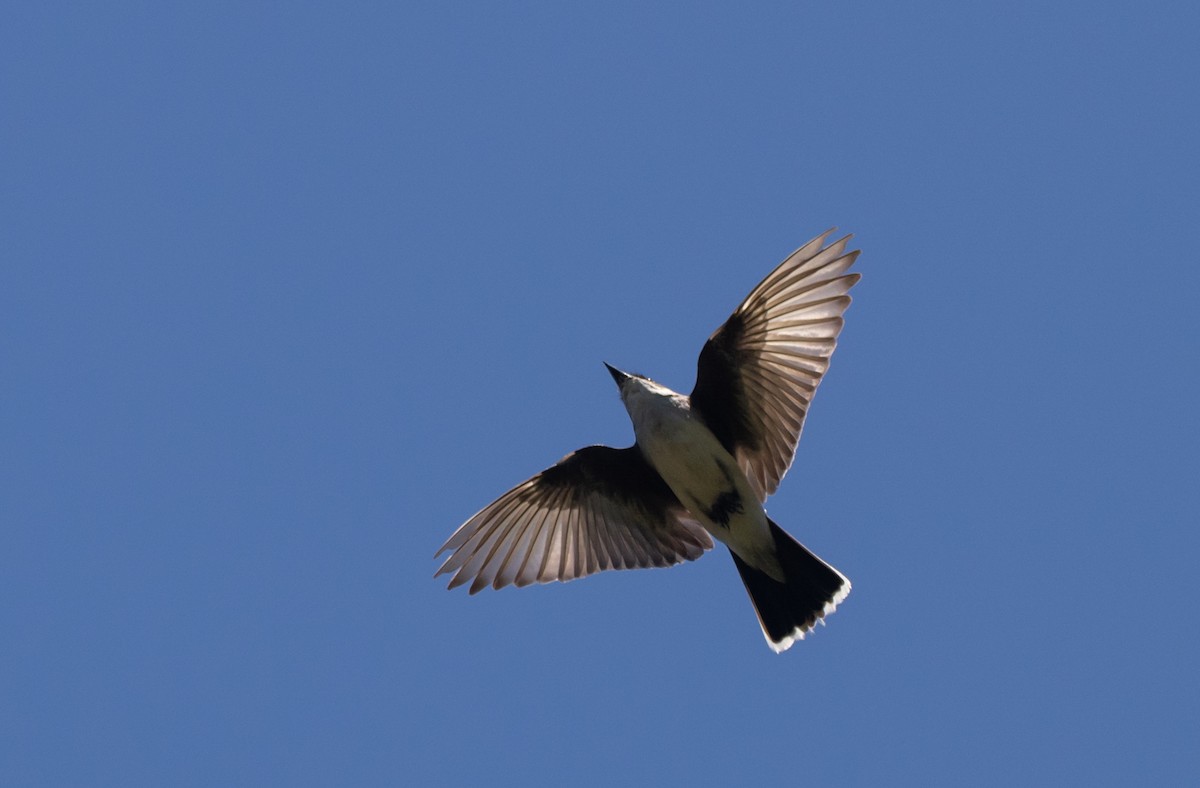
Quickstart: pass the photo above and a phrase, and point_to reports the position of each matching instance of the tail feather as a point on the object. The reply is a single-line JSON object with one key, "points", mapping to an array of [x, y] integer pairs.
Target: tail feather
{"points": [[789, 610]]}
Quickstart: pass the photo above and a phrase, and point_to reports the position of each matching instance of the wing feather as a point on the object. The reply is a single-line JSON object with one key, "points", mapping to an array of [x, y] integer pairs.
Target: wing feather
{"points": [[599, 508], [758, 372]]}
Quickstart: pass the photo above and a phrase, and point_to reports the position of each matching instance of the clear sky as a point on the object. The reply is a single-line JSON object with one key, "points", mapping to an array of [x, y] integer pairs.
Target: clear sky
{"points": [[287, 293]]}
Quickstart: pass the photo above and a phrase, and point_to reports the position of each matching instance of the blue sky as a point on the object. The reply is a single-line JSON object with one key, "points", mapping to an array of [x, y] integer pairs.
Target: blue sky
{"points": [[288, 292]]}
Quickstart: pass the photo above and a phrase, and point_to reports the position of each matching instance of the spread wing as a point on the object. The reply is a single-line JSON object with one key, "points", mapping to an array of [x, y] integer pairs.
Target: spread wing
{"points": [[758, 372], [598, 508]]}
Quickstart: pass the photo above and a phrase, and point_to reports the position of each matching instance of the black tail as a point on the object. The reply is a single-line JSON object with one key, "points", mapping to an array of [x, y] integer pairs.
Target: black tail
{"points": [[789, 610]]}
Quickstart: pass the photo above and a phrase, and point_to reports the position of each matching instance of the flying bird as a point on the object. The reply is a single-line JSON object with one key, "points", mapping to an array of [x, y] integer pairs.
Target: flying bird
{"points": [[701, 467]]}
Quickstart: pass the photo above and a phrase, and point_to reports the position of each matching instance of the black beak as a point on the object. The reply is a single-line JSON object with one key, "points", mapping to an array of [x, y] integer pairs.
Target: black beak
{"points": [[617, 375]]}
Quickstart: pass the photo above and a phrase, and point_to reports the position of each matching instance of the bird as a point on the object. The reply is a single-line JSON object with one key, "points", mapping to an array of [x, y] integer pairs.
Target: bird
{"points": [[701, 467]]}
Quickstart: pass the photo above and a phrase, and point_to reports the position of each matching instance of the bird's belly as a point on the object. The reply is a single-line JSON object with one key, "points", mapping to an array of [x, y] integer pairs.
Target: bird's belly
{"points": [[707, 480]]}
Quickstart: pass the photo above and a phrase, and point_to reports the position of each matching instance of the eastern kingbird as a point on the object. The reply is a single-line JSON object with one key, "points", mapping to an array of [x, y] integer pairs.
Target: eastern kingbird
{"points": [[701, 465]]}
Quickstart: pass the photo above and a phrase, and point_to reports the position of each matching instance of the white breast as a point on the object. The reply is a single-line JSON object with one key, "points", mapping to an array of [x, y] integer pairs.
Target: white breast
{"points": [[698, 469]]}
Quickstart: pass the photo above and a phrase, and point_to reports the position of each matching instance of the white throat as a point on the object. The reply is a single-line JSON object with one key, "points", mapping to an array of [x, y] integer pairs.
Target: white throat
{"points": [[699, 470]]}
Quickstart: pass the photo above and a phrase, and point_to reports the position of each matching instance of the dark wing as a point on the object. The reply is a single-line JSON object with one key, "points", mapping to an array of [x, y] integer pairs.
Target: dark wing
{"points": [[598, 508], [758, 372]]}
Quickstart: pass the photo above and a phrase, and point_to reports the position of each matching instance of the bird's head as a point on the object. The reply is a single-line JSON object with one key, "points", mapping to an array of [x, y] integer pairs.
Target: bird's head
{"points": [[622, 378], [636, 386]]}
